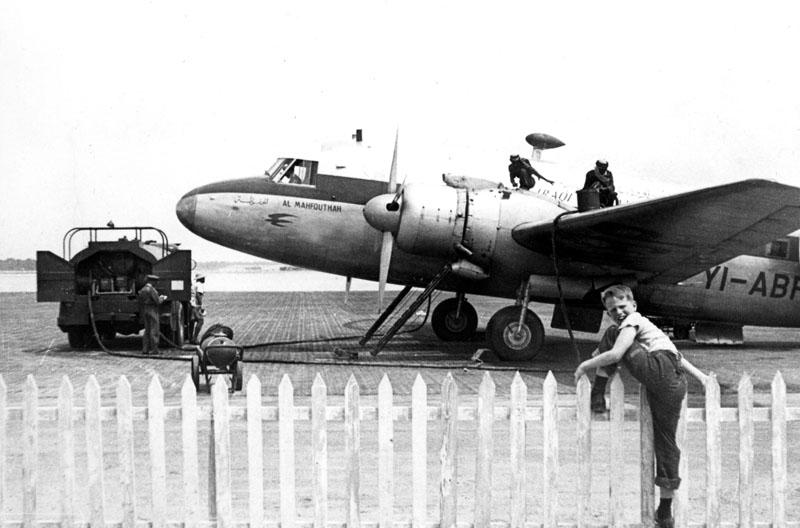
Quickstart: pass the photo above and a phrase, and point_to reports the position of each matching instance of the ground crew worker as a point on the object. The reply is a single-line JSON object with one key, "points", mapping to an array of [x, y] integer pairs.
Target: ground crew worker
{"points": [[197, 317], [521, 168], [149, 301], [600, 178]]}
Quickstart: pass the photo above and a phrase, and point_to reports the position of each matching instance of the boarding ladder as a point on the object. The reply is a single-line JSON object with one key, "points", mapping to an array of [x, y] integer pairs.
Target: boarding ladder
{"points": [[400, 321]]}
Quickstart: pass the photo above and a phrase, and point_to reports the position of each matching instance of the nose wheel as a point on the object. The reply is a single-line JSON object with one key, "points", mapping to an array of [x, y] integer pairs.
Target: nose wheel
{"points": [[512, 341], [451, 323]]}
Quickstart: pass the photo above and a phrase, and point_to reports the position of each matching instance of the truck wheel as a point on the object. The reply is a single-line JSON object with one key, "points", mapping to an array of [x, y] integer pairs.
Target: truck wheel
{"points": [[78, 337], [176, 321]]}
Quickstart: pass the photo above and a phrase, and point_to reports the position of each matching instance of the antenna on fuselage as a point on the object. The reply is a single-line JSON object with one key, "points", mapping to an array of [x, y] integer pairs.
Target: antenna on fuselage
{"points": [[541, 141]]}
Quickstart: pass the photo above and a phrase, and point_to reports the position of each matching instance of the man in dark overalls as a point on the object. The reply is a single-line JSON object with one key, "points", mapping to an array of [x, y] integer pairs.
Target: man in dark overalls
{"points": [[149, 301], [521, 168]]}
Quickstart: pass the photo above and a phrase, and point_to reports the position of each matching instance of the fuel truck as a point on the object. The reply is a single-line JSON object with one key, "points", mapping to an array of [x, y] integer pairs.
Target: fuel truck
{"points": [[97, 286]]}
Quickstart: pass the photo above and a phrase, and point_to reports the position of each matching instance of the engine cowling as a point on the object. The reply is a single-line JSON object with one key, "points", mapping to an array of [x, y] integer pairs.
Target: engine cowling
{"points": [[432, 221]]}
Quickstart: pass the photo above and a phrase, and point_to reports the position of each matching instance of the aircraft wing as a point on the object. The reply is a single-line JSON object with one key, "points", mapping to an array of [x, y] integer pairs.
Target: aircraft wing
{"points": [[669, 239]]}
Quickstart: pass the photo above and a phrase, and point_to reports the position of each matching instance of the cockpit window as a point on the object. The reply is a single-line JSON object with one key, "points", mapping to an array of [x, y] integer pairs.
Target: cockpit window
{"points": [[293, 171]]}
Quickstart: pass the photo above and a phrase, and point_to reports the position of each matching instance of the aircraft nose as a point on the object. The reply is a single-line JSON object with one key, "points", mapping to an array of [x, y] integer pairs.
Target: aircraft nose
{"points": [[186, 209], [383, 213]]}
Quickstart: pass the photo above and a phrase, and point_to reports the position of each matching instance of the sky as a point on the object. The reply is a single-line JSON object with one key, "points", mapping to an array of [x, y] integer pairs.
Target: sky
{"points": [[113, 110]]}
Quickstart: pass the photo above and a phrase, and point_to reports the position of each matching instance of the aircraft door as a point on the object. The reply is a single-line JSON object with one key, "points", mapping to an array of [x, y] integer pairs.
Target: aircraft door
{"points": [[483, 220]]}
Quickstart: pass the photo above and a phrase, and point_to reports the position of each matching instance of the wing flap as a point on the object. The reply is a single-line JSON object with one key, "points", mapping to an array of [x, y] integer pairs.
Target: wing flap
{"points": [[669, 239]]}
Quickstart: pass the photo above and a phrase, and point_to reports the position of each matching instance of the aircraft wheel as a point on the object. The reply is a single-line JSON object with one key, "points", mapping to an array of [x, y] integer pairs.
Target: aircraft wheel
{"points": [[448, 327], [510, 341], [196, 372]]}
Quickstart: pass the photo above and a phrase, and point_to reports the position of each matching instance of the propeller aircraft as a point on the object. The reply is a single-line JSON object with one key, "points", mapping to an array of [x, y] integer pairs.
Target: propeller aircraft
{"points": [[711, 260]]}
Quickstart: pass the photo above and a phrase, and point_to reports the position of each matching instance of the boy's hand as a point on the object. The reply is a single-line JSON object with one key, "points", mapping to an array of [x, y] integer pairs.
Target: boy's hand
{"points": [[579, 372]]}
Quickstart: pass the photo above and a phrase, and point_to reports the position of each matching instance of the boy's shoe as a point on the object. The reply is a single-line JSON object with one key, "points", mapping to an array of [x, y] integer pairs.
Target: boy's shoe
{"points": [[669, 522]]}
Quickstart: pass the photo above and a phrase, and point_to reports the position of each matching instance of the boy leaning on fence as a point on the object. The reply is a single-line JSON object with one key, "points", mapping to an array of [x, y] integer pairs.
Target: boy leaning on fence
{"points": [[653, 360]]}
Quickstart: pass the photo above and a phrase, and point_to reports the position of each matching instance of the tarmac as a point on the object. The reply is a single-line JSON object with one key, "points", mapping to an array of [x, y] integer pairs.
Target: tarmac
{"points": [[302, 334]]}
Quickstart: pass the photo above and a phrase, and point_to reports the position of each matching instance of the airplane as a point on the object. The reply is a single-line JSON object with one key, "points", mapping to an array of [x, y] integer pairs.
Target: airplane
{"points": [[703, 262]]}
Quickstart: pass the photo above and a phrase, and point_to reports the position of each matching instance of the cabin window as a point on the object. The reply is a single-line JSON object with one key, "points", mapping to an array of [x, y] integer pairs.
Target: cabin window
{"points": [[778, 249]]}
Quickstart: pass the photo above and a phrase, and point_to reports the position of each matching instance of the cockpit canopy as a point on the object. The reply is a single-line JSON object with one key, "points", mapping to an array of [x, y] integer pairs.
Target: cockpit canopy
{"points": [[293, 171]]}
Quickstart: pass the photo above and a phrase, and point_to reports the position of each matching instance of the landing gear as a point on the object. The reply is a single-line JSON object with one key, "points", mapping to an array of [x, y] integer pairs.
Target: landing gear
{"points": [[512, 341], [452, 322]]}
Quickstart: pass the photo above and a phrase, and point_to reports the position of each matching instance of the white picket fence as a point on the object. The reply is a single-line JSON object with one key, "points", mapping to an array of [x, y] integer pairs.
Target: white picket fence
{"points": [[63, 482]]}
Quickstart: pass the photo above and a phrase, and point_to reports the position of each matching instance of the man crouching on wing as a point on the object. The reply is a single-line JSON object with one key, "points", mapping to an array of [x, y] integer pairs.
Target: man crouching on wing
{"points": [[653, 360]]}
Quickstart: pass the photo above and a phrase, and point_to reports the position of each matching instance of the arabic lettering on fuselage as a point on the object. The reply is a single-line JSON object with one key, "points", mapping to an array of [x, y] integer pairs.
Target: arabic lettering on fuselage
{"points": [[766, 284], [261, 200]]}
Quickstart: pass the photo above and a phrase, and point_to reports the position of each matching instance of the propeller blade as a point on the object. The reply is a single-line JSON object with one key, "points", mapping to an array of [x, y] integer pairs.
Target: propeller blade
{"points": [[393, 170], [383, 272], [400, 190]]}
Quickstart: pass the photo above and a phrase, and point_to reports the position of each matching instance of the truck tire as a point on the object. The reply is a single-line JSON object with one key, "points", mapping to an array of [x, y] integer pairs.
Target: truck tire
{"points": [[176, 322], [78, 337]]}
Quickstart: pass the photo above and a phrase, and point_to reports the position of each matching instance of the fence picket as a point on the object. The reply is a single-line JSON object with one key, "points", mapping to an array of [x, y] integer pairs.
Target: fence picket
{"points": [[419, 452], [385, 453], [616, 425], [779, 479], [583, 439], [66, 446], [191, 471], [222, 453], [680, 506], [517, 429], [3, 440], [319, 431], [746, 455], [286, 457], [484, 415], [550, 450], [647, 460], [713, 453], [125, 451], [94, 453], [30, 450], [484, 452], [158, 471], [352, 447], [447, 454], [255, 451]]}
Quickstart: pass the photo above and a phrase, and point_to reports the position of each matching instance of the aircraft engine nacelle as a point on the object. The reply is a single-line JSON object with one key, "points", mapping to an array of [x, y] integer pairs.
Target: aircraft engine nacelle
{"points": [[450, 223], [432, 221]]}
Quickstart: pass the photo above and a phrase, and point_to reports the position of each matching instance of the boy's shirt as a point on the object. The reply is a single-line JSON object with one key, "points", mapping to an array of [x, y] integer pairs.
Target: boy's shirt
{"points": [[648, 336]]}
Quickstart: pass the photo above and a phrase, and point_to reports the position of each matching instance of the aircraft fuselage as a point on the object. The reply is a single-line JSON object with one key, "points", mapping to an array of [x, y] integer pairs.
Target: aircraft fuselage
{"points": [[322, 227]]}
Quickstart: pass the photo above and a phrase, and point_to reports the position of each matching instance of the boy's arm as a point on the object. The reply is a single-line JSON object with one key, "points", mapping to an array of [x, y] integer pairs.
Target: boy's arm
{"points": [[621, 345], [694, 371]]}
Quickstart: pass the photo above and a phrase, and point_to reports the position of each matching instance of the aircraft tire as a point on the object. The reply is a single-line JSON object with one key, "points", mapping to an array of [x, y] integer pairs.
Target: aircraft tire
{"points": [[449, 328], [511, 343]]}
